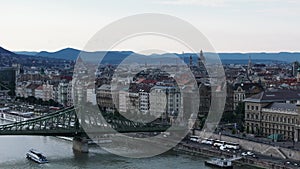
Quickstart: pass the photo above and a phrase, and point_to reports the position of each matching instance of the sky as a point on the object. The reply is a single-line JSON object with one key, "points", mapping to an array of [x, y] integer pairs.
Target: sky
{"points": [[229, 25]]}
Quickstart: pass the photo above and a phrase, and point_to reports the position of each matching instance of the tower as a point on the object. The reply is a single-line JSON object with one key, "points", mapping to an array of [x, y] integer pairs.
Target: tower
{"points": [[295, 67], [249, 69], [201, 59], [298, 75], [191, 61]]}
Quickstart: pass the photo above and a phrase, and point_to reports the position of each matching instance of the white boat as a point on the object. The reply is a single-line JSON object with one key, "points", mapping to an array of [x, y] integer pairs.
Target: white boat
{"points": [[36, 156], [219, 162]]}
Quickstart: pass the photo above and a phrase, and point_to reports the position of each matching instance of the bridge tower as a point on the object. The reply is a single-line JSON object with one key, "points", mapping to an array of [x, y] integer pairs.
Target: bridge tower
{"points": [[80, 142]]}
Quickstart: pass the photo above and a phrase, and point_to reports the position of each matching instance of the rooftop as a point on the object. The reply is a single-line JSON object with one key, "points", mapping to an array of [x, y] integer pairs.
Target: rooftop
{"points": [[274, 96], [104, 87], [282, 106]]}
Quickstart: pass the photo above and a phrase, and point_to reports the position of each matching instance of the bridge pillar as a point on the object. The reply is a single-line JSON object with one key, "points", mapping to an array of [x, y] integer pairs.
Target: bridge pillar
{"points": [[80, 144]]}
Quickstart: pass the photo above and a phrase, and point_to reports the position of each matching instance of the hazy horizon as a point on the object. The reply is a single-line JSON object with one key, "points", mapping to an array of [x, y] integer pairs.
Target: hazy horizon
{"points": [[230, 25], [241, 52]]}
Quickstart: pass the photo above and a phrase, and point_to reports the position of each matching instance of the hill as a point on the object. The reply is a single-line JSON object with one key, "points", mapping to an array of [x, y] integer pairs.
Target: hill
{"points": [[7, 57], [72, 54], [114, 57], [67, 53], [25, 53]]}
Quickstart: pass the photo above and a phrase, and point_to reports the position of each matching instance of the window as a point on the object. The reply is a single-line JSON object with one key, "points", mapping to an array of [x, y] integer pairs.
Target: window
{"points": [[256, 107], [248, 107]]}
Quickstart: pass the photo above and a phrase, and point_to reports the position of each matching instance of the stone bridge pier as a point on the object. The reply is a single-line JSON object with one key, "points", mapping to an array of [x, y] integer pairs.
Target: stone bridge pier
{"points": [[80, 144]]}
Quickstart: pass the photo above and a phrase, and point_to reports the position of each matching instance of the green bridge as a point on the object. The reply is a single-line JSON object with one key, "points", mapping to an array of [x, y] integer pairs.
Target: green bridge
{"points": [[66, 123]]}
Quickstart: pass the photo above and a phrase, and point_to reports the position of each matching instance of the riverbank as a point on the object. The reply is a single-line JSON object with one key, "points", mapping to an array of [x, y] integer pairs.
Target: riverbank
{"points": [[211, 152]]}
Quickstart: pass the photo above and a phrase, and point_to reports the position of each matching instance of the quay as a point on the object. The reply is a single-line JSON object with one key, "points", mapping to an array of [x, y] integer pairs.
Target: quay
{"points": [[208, 151]]}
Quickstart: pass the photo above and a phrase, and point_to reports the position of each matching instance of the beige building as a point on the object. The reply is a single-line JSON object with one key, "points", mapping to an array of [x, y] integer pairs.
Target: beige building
{"points": [[242, 91], [280, 118], [123, 96], [273, 113], [165, 101], [107, 98]]}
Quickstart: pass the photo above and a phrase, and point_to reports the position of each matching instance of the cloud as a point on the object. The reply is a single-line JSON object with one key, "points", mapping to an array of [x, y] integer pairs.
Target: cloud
{"points": [[210, 3], [222, 3]]}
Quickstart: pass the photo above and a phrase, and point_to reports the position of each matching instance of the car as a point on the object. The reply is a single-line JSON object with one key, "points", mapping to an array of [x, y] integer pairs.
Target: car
{"points": [[194, 139], [244, 154], [250, 153], [222, 148]]}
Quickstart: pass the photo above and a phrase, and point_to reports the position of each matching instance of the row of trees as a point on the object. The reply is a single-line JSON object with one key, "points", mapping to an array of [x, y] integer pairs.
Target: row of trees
{"points": [[238, 117]]}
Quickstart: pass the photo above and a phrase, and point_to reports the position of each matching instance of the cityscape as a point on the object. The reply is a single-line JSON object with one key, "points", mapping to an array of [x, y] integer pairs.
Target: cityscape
{"points": [[196, 107]]}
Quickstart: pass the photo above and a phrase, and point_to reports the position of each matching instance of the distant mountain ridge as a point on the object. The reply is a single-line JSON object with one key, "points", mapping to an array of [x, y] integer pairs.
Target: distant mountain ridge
{"points": [[25, 53], [67, 53], [6, 52], [117, 56]]}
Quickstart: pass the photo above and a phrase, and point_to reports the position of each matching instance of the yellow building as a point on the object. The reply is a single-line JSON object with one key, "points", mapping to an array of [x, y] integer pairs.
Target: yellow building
{"points": [[273, 112]]}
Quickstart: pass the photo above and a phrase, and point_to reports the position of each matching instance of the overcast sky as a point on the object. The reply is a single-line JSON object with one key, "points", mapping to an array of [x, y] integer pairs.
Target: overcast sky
{"points": [[230, 25]]}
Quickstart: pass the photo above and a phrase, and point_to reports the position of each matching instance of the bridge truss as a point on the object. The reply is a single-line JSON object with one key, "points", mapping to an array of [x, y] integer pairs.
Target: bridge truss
{"points": [[66, 123]]}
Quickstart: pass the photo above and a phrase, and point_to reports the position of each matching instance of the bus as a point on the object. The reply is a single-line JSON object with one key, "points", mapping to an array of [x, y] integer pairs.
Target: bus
{"points": [[219, 143], [234, 146], [207, 141], [195, 138]]}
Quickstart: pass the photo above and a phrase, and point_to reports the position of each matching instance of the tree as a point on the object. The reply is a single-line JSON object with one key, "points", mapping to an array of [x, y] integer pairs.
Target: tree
{"points": [[240, 116], [237, 116], [31, 100]]}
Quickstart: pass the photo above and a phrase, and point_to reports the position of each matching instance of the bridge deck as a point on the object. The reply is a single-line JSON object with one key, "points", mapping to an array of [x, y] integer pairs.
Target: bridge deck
{"points": [[66, 123]]}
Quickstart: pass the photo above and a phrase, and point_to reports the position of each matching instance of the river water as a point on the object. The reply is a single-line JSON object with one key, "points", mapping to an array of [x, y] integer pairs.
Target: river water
{"points": [[61, 156]]}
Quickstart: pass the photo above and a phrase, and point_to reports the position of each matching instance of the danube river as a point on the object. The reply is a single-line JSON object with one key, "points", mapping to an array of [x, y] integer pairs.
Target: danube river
{"points": [[61, 156]]}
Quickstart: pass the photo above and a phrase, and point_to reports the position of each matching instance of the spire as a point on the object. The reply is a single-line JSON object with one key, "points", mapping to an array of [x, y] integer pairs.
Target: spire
{"points": [[249, 66], [201, 59], [250, 62], [191, 61]]}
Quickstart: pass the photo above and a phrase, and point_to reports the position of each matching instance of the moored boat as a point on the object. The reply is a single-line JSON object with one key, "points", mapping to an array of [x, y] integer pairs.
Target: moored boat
{"points": [[219, 162]]}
